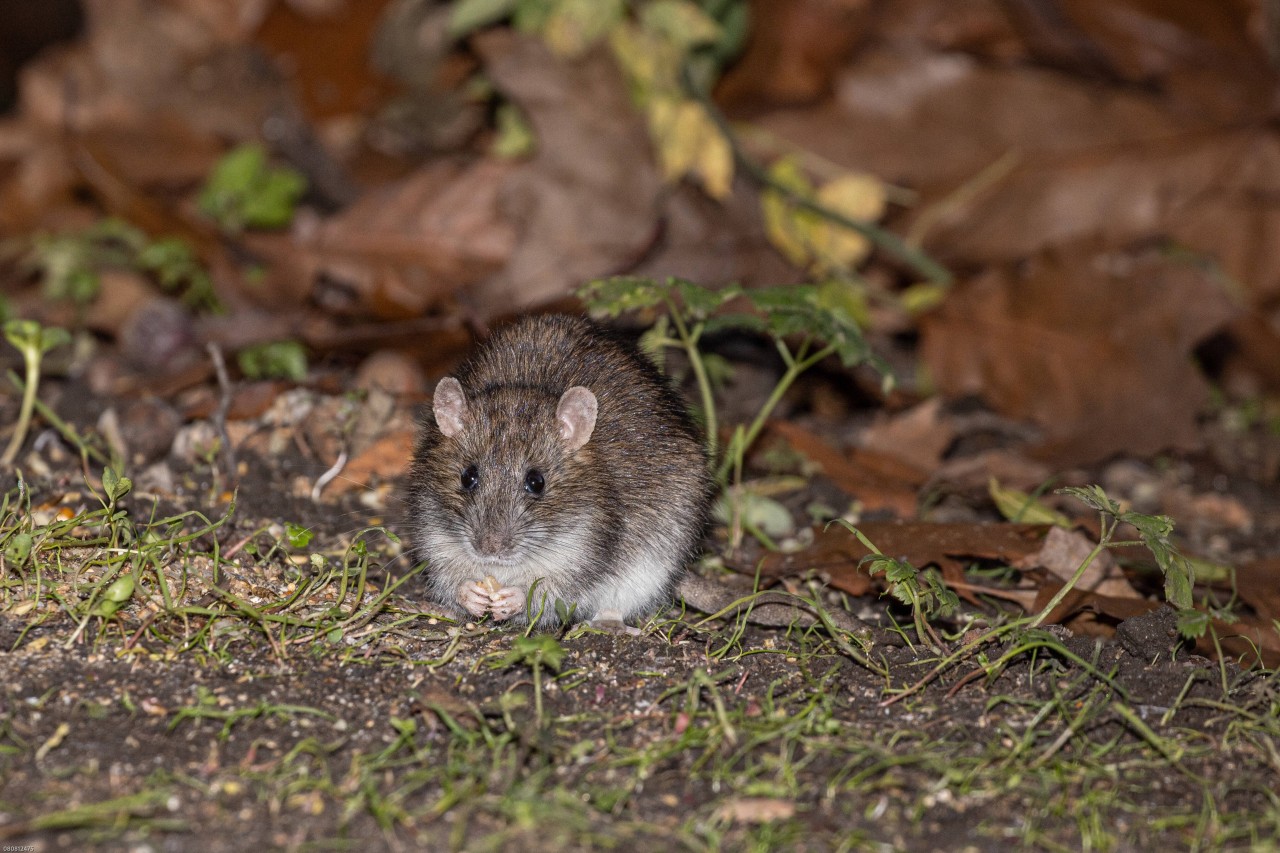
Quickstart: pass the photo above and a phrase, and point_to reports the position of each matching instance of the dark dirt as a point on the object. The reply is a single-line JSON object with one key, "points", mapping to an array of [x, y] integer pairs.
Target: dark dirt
{"points": [[641, 750]]}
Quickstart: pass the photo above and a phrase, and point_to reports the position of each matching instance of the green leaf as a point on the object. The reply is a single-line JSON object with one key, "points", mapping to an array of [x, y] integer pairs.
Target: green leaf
{"points": [[540, 649], [1094, 497], [575, 26], [298, 536], [282, 359], [114, 597], [1193, 623], [680, 21], [809, 311], [18, 549], [121, 589], [53, 336], [757, 512], [514, 137], [1017, 505], [114, 485], [245, 191], [610, 297], [700, 301], [467, 16]]}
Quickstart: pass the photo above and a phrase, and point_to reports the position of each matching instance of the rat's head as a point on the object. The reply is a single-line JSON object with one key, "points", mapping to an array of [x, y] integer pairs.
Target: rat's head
{"points": [[507, 476]]}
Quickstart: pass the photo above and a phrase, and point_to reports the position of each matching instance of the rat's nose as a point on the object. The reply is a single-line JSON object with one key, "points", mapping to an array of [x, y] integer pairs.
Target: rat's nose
{"points": [[495, 540]]}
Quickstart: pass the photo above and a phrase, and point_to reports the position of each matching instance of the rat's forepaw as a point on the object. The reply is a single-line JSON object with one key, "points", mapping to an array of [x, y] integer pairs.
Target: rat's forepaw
{"points": [[506, 602], [474, 598]]}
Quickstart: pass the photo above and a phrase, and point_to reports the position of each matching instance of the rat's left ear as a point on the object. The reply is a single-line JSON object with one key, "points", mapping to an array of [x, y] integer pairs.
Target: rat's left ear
{"points": [[577, 415]]}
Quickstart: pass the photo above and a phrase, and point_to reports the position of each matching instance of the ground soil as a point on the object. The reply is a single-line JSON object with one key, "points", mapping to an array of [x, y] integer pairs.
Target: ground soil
{"points": [[99, 716]]}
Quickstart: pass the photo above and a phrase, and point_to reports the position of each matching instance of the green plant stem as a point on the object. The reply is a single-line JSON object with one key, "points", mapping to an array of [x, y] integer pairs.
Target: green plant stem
{"points": [[689, 340], [537, 692], [1103, 541], [796, 365], [31, 357]]}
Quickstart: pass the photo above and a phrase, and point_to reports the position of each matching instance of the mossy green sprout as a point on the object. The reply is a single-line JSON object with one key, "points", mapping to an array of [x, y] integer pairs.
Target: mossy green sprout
{"points": [[33, 341], [245, 191]]}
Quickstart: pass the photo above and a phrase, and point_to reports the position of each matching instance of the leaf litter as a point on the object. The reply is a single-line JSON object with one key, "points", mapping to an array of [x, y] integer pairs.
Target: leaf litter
{"points": [[1112, 321]]}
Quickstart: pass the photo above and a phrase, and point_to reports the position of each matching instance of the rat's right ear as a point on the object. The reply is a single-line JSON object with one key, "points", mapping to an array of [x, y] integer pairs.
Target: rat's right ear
{"points": [[450, 406]]}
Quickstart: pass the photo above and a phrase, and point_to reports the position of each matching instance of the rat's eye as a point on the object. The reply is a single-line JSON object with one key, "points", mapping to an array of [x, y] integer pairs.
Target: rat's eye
{"points": [[533, 482], [470, 478]]}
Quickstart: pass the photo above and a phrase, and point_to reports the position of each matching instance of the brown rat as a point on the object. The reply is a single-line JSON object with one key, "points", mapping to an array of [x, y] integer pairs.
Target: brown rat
{"points": [[559, 466]]}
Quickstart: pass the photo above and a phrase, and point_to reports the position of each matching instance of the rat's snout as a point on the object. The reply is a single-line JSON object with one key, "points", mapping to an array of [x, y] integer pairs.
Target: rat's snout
{"points": [[495, 534], [494, 541]]}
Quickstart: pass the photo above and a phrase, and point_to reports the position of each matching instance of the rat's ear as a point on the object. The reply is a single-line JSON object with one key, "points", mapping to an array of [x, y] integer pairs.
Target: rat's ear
{"points": [[577, 416], [450, 406]]}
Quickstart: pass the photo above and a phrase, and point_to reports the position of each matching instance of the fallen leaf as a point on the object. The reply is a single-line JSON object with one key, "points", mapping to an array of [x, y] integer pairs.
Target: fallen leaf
{"points": [[918, 436], [793, 52], [388, 457], [878, 480], [1258, 585], [836, 552], [585, 206], [1095, 349], [406, 246], [1064, 551]]}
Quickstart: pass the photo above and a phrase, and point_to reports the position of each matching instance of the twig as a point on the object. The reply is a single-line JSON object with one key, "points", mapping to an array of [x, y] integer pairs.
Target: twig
{"points": [[224, 408]]}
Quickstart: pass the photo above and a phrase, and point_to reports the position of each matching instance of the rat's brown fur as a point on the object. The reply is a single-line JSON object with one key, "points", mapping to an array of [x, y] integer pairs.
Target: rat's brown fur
{"points": [[619, 517]]}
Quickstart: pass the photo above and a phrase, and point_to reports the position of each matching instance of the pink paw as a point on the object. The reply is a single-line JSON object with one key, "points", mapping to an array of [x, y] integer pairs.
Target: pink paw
{"points": [[474, 598], [506, 602]]}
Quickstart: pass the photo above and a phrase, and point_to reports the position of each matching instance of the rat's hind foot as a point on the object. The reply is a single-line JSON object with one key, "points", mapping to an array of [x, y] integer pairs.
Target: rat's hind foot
{"points": [[611, 622]]}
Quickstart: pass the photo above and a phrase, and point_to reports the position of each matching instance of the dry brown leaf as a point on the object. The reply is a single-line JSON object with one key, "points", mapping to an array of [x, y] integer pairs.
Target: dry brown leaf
{"points": [[1258, 585], [388, 457], [793, 51], [1206, 57], [878, 480], [404, 247], [1093, 348], [919, 436], [1064, 551], [586, 205], [836, 552], [909, 117]]}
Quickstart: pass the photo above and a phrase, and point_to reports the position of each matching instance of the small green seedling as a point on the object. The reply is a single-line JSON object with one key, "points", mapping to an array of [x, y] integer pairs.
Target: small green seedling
{"points": [[298, 536], [1154, 531], [536, 652], [923, 591], [282, 359], [33, 341], [816, 317], [70, 265], [246, 191]]}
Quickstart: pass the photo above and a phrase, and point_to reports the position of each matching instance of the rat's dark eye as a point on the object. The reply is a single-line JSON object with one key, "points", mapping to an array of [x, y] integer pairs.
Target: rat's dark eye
{"points": [[533, 482], [470, 478]]}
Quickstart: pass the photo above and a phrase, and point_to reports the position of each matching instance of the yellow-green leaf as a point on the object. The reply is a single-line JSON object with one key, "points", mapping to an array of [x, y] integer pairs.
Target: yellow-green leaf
{"points": [[923, 296], [781, 218], [575, 26], [1019, 506], [679, 22], [858, 197]]}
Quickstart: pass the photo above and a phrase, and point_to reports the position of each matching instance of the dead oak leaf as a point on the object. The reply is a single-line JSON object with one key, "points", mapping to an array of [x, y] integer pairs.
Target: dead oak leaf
{"points": [[1093, 347]]}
